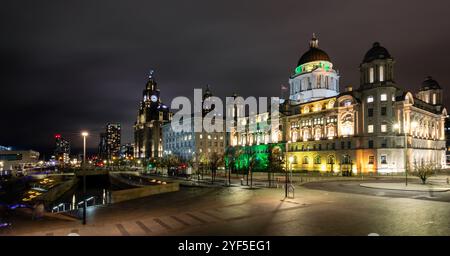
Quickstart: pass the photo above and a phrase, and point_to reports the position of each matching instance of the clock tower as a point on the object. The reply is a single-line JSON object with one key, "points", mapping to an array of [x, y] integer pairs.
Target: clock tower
{"points": [[151, 116]]}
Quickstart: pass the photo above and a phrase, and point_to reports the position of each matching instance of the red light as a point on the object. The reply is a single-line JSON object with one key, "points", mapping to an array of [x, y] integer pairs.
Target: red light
{"points": [[57, 136]]}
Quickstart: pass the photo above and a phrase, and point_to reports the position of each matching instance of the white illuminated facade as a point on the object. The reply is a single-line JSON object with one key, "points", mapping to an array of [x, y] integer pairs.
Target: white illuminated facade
{"points": [[314, 78], [363, 130]]}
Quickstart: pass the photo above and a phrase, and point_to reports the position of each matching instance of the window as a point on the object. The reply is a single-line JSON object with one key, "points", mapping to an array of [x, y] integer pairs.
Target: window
{"points": [[370, 112], [383, 128], [317, 160], [342, 145], [371, 75], [381, 71], [383, 97], [384, 143], [434, 98], [383, 111], [330, 160], [370, 143], [349, 144], [370, 128], [371, 159], [383, 159], [369, 99], [305, 160]]}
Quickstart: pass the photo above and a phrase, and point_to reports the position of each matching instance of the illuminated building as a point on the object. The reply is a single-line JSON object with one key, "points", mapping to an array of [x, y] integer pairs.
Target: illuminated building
{"points": [[356, 131], [18, 159], [314, 77], [113, 133], [447, 143], [62, 149], [127, 151], [103, 147], [152, 115], [190, 144]]}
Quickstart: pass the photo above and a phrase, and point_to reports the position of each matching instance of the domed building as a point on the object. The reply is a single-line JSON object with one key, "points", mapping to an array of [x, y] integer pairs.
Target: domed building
{"points": [[430, 92], [314, 77]]}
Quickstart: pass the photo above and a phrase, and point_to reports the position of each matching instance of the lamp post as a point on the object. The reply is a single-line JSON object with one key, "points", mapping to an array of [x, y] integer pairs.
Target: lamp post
{"points": [[291, 160], [84, 134], [397, 127]]}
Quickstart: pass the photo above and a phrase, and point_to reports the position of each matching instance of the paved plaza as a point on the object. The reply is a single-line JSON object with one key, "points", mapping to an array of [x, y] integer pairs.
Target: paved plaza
{"points": [[242, 211]]}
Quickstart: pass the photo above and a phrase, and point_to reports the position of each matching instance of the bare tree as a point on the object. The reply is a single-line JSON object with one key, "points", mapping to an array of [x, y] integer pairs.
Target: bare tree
{"points": [[170, 161], [232, 155], [276, 162], [424, 170], [215, 160], [252, 163]]}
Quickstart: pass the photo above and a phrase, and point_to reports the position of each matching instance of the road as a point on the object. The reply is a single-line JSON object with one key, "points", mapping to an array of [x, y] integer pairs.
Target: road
{"points": [[241, 211], [353, 187]]}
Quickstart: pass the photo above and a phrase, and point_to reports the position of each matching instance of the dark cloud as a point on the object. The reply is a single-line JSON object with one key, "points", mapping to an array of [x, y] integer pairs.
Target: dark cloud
{"points": [[72, 65]]}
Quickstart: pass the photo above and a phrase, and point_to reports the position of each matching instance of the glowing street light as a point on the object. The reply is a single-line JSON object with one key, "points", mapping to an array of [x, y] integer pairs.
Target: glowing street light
{"points": [[84, 134]]}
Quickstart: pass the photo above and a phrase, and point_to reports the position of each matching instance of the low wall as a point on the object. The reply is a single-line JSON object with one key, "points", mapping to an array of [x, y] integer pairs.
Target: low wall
{"points": [[133, 193], [57, 191]]}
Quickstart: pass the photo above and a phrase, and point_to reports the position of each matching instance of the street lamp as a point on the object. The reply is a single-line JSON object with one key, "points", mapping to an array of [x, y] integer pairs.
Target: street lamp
{"points": [[397, 127], [291, 160], [84, 134]]}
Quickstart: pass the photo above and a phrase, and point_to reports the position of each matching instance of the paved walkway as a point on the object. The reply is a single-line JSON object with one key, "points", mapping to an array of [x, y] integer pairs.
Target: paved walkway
{"points": [[410, 187], [238, 211]]}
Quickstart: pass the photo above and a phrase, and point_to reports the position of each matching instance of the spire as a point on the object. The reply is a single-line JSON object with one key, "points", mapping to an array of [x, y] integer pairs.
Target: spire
{"points": [[314, 43]]}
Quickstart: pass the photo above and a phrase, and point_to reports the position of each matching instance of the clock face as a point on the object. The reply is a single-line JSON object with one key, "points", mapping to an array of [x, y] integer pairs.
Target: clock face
{"points": [[153, 98]]}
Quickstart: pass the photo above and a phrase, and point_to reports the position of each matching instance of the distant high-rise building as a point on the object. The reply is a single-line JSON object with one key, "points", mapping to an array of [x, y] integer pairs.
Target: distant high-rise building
{"points": [[103, 147], [127, 151], [62, 149], [112, 140], [151, 116]]}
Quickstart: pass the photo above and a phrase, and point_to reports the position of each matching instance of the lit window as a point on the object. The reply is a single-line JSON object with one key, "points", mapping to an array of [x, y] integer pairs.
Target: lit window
{"points": [[371, 159], [370, 128], [383, 97], [383, 159], [434, 98], [371, 75], [209, 137], [381, 73], [383, 128], [369, 99], [201, 136]]}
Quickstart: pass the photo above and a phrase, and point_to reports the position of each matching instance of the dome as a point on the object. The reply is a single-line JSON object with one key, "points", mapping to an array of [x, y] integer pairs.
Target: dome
{"points": [[377, 52], [314, 53], [430, 84]]}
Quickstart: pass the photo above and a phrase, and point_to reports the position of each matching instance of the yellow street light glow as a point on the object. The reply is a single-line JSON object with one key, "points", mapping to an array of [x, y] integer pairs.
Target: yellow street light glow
{"points": [[291, 159], [396, 126], [84, 134]]}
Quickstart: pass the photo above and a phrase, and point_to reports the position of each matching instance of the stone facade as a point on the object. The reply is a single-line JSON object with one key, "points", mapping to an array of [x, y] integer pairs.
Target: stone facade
{"points": [[362, 130]]}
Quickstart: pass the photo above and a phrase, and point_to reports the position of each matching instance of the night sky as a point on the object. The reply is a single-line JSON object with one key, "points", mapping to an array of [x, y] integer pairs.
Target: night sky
{"points": [[73, 65]]}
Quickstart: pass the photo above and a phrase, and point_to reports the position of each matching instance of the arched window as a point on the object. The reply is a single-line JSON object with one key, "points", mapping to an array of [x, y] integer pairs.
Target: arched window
{"points": [[317, 160], [305, 160], [330, 159], [381, 72]]}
